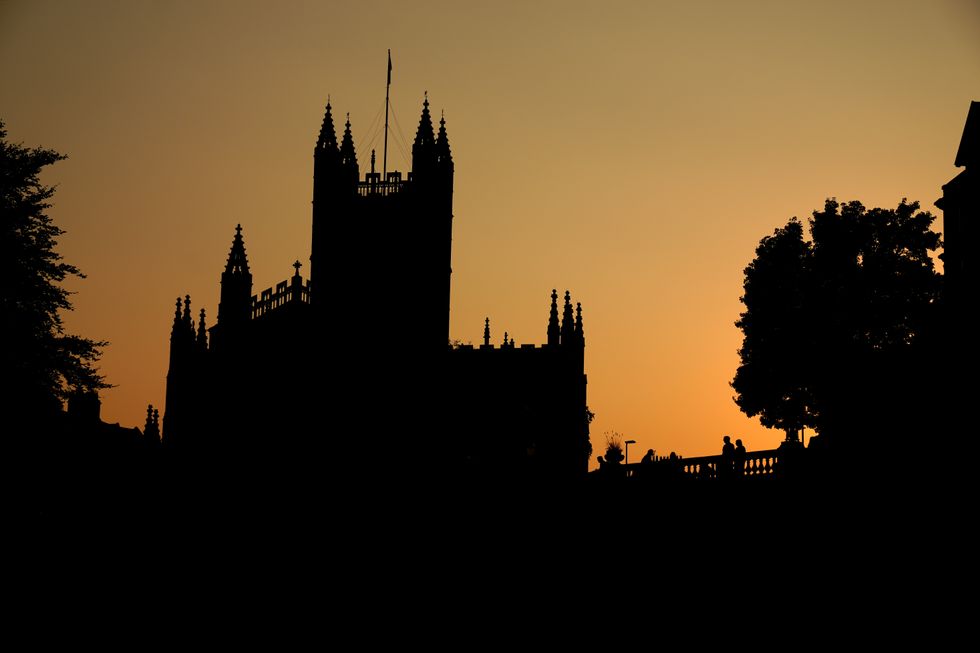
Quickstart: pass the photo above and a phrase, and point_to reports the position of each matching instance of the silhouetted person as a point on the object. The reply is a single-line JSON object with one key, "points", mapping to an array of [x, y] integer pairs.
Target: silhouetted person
{"points": [[727, 458], [646, 468], [739, 458]]}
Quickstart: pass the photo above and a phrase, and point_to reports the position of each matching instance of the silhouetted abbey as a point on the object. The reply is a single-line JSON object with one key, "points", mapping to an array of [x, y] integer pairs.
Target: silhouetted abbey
{"points": [[352, 369]]}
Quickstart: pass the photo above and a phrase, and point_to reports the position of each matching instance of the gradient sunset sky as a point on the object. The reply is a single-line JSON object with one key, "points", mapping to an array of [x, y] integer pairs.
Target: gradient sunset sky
{"points": [[633, 153]]}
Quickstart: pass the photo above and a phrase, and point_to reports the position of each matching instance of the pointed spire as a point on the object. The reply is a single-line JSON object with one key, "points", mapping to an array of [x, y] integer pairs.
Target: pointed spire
{"points": [[202, 334], [372, 161], [579, 329], [182, 334], [486, 333], [237, 260], [235, 302], [567, 321], [177, 321], [553, 328], [348, 156], [188, 322], [424, 137], [151, 430], [328, 136], [443, 154]]}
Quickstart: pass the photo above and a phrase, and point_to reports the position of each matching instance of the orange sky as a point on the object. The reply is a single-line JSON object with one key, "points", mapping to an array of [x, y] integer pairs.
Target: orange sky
{"points": [[631, 152]]}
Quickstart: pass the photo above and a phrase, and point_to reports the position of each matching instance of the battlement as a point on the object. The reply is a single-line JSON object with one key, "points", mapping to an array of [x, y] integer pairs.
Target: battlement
{"points": [[564, 335], [512, 349], [508, 347], [374, 186], [294, 290]]}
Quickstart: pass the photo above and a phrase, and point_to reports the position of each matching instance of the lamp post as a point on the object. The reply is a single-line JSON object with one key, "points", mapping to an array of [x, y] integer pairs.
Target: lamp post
{"points": [[627, 460]]}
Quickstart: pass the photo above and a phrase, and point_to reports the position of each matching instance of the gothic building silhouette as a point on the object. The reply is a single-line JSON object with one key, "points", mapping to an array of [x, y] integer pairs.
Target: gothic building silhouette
{"points": [[352, 369]]}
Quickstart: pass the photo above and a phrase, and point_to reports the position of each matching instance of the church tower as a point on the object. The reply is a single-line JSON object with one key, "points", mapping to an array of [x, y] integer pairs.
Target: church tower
{"points": [[382, 247]]}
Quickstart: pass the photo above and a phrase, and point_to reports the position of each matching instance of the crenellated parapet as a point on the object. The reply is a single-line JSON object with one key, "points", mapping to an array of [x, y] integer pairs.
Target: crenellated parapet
{"points": [[568, 334], [290, 291], [336, 170], [513, 348], [374, 187]]}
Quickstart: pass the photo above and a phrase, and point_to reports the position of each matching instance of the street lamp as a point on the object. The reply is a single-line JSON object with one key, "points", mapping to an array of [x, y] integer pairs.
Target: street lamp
{"points": [[628, 443]]}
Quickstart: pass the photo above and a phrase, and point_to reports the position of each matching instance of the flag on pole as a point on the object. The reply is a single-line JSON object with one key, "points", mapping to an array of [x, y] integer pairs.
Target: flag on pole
{"points": [[389, 67]]}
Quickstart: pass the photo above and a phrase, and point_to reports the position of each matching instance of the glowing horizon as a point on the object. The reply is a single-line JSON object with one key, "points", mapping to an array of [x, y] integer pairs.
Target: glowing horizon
{"points": [[632, 154]]}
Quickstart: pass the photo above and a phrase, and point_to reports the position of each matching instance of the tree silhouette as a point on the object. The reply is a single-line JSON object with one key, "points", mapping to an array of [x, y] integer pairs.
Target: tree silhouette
{"points": [[772, 380], [41, 364], [838, 330]]}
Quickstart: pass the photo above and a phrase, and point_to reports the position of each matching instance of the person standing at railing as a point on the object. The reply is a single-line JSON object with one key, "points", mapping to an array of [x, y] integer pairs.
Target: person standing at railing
{"points": [[739, 459], [727, 458]]}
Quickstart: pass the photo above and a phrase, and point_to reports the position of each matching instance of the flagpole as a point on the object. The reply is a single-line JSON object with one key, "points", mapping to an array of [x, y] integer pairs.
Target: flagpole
{"points": [[384, 164]]}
